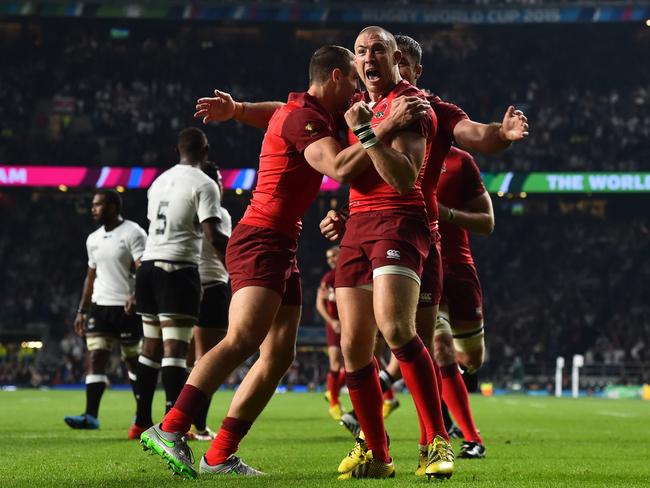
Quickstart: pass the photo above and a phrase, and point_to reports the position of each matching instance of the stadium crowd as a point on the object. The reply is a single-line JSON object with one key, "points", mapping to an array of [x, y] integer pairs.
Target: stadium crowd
{"points": [[559, 278], [107, 94]]}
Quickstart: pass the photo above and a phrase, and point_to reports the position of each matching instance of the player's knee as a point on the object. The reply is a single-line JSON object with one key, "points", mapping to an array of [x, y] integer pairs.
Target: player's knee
{"points": [[444, 351], [152, 348], [130, 350], [472, 361], [176, 340], [398, 336], [470, 346], [99, 343]]}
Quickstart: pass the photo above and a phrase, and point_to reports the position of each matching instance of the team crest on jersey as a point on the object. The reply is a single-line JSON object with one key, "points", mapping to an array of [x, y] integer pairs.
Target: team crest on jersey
{"points": [[381, 110]]}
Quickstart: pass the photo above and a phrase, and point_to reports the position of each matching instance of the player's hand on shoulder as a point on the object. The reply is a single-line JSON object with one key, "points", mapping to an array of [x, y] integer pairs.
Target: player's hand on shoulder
{"points": [[514, 126], [332, 226], [80, 321], [219, 108], [405, 110], [358, 114]]}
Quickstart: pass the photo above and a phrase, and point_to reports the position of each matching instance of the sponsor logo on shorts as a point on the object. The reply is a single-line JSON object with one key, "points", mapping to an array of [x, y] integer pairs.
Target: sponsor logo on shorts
{"points": [[393, 254], [425, 297], [91, 323]]}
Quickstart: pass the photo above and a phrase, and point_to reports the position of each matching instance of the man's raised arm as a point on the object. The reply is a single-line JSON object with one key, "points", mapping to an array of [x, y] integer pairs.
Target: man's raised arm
{"points": [[222, 107]]}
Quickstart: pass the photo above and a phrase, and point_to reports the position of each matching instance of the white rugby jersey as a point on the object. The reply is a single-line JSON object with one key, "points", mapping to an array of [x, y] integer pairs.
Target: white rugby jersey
{"points": [[211, 269], [179, 200], [112, 255]]}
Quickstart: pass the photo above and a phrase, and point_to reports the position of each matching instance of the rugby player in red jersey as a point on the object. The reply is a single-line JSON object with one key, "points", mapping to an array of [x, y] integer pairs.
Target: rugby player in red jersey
{"points": [[326, 306], [300, 145], [465, 206], [453, 124], [382, 255]]}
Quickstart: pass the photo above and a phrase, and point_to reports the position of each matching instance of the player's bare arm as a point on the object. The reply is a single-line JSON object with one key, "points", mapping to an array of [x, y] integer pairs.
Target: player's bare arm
{"points": [[478, 216], [216, 238], [400, 162], [495, 137], [129, 306], [222, 107], [81, 317], [327, 157], [321, 307]]}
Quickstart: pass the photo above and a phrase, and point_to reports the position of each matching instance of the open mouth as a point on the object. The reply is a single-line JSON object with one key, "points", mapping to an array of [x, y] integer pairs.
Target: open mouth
{"points": [[372, 75]]}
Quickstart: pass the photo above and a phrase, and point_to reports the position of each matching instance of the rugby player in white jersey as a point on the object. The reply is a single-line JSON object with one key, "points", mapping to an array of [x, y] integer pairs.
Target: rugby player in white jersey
{"points": [[107, 308], [213, 315], [183, 206]]}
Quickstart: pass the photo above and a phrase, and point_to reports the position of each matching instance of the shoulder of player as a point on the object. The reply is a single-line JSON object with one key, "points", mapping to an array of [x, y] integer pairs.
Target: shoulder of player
{"points": [[95, 234], [133, 227]]}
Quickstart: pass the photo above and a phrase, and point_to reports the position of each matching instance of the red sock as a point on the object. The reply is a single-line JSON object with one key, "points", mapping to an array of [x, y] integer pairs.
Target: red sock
{"points": [[230, 434], [420, 378], [436, 368], [389, 394], [333, 386], [457, 399], [423, 430], [365, 393], [341, 380], [188, 404]]}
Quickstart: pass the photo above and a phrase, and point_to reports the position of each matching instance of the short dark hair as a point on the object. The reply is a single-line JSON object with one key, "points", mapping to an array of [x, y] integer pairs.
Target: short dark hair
{"points": [[325, 60], [111, 197], [192, 143], [409, 46]]}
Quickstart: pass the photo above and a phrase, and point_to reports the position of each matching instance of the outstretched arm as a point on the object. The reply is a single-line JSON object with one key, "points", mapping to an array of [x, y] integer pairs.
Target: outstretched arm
{"points": [[492, 138], [222, 107]]}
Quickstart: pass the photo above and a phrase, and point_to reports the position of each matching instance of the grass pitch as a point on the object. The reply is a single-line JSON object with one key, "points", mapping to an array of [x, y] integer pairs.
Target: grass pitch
{"points": [[531, 442]]}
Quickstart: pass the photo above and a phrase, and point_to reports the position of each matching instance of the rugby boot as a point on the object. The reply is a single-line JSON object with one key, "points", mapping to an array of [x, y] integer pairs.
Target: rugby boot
{"points": [[232, 465], [441, 459], [172, 447]]}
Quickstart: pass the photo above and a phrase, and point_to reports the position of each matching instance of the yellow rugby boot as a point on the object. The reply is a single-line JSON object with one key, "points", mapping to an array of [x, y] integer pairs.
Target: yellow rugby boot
{"points": [[336, 411], [370, 468], [440, 463], [389, 407], [423, 459], [355, 457]]}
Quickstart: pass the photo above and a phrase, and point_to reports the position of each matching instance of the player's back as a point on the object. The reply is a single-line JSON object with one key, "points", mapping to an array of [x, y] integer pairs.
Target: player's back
{"points": [[175, 199]]}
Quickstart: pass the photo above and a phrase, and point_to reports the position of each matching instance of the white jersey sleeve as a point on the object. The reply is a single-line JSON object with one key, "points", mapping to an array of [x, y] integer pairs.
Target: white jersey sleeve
{"points": [[208, 202], [90, 251], [137, 239], [211, 268]]}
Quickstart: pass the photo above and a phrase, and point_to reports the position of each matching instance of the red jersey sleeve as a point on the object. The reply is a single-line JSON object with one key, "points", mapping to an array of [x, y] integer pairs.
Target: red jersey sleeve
{"points": [[448, 116], [474, 186], [304, 126]]}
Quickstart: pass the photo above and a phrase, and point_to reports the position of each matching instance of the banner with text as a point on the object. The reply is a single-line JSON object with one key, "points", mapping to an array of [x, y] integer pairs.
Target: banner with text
{"points": [[244, 179]]}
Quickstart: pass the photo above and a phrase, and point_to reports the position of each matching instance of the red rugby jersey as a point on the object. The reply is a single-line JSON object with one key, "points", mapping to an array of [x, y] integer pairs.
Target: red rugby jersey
{"points": [[368, 191], [460, 182], [328, 281], [286, 183], [448, 116]]}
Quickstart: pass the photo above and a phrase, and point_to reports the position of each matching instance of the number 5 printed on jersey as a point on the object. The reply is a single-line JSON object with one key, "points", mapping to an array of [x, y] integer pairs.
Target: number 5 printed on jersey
{"points": [[161, 218]]}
